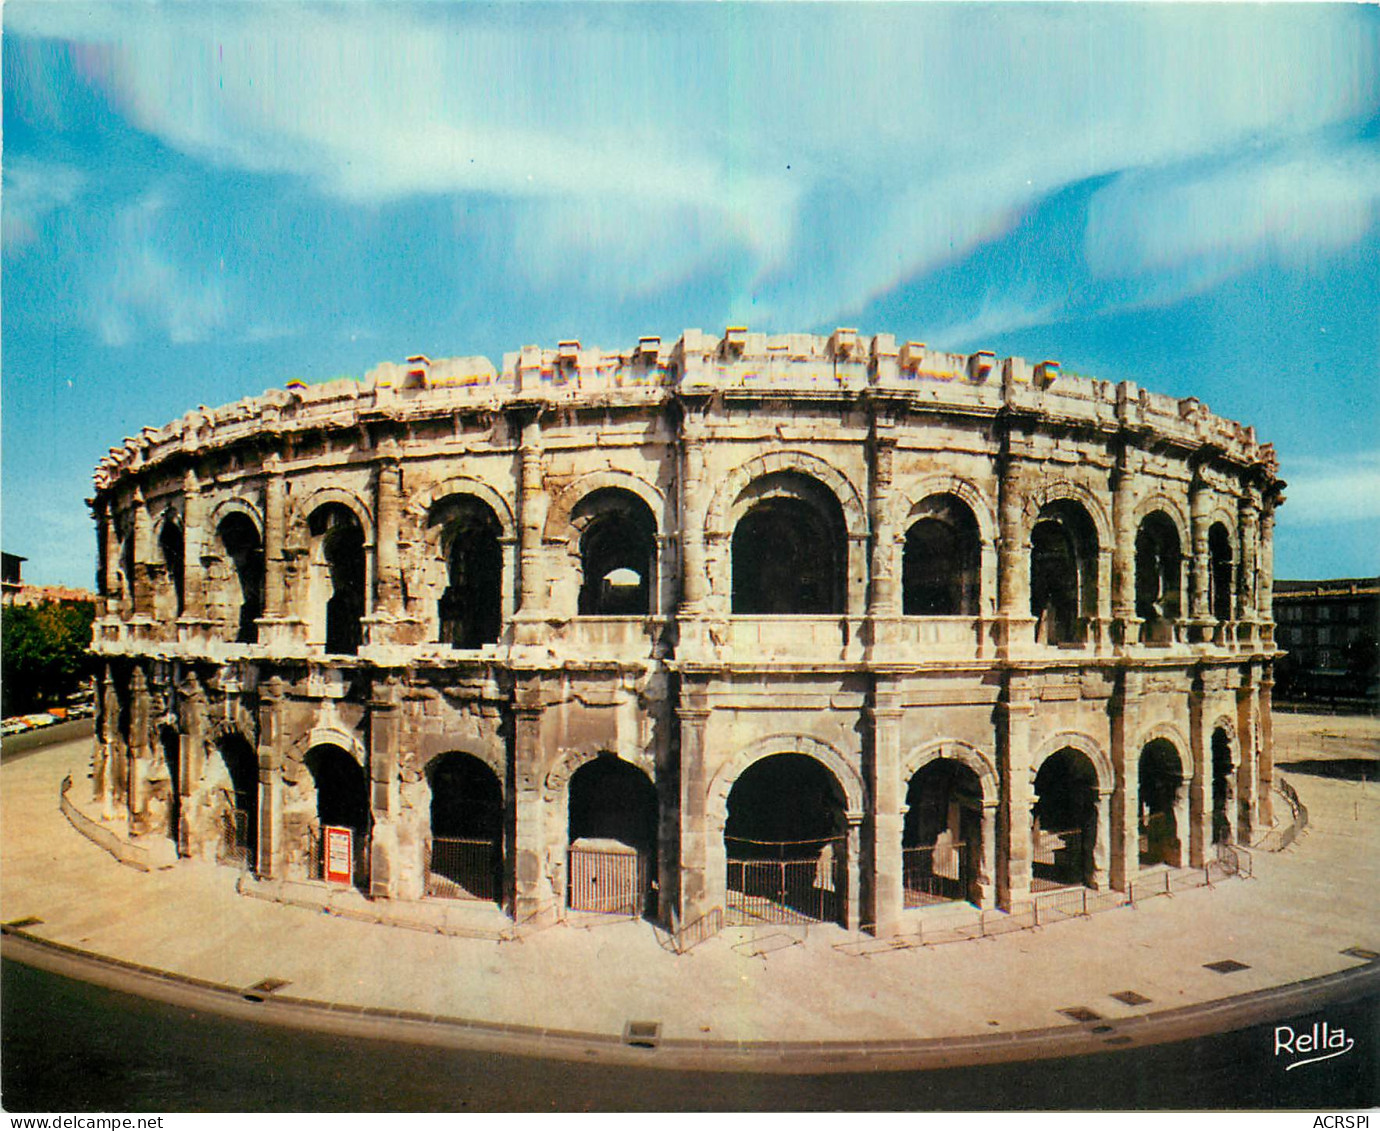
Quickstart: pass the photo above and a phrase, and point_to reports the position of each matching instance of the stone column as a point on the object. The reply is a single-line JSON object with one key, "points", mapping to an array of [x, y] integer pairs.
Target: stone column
{"points": [[1125, 626], [1013, 565], [139, 752], [1265, 587], [698, 889], [1265, 769], [191, 759], [193, 543], [141, 584], [986, 889], [853, 894], [384, 734], [275, 535], [883, 589], [693, 505], [1246, 767], [1199, 834], [1014, 855], [107, 752], [1101, 851], [532, 894], [886, 789], [1248, 578], [1123, 841], [1201, 623], [272, 850], [110, 561], [387, 507], [531, 516]]}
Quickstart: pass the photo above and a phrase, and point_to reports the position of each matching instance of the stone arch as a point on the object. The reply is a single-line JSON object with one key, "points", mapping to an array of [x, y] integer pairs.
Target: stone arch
{"points": [[235, 505], [1068, 490], [167, 511], [1084, 744], [904, 504], [558, 527], [1168, 732], [1227, 519], [570, 759], [850, 781], [242, 726], [1173, 509], [419, 506], [1227, 724], [326, 735], [719, 519], [427, 748], [959, 751], [348, 499]]}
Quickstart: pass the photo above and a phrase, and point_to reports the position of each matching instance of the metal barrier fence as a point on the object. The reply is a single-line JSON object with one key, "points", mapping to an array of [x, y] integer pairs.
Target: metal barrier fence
{"points": [[934, 874], [235, 848], [463, 868], [614, 883], [800, 886], [692, 934]]}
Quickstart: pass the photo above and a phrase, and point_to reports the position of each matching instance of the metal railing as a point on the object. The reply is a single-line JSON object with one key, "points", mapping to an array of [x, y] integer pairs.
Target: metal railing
{"points": [[235, 848], [934, 874], [785, 881], [612, 883], [697, 931], [463, 868]]}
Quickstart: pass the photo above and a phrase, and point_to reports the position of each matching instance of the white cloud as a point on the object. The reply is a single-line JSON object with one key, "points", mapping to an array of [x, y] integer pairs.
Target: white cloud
{"points": [[32, 191], [841, 150], [1343, 488]]}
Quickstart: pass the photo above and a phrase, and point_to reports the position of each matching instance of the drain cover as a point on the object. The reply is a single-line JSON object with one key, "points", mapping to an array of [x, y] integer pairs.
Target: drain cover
{"points": [[20, 924], [1351, 952], [1081, 1013], [643, 1034], [1130, 997], [1226, 966]]}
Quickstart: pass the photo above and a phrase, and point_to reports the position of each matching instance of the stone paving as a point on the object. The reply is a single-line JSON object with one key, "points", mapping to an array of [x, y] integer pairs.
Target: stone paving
{"points": [[1291, 922]]}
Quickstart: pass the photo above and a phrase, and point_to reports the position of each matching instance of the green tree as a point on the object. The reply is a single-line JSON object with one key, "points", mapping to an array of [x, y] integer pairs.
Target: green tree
{"points": [[46, 653]]}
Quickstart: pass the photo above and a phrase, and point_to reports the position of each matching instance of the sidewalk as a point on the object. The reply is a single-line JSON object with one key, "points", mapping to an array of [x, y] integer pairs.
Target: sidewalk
{"points": [[1290, 923]]}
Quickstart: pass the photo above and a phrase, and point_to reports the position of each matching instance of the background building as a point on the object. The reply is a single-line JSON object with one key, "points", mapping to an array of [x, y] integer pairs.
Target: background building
{"points": [[787, 626], [1329, 632]]}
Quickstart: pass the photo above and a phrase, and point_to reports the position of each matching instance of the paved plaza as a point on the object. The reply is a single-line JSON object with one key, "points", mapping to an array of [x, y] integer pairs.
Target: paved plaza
{"points": [[1292, 921]]}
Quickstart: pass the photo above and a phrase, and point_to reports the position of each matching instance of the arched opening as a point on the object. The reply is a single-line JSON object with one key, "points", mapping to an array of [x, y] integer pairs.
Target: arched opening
{"points": [[338, 569], [171, 743], [940, 564], [466, 856], [238, 801], [789, 549], [244, 551], [470, 611], [1063, 573], [785, 839], [1158, 578], [1064, 826], [1161, 776], [126, 572], [617, 553], [342, 801], [941, 843], [1221, 788], [170, 549], [1220, 572], [612, 815]]}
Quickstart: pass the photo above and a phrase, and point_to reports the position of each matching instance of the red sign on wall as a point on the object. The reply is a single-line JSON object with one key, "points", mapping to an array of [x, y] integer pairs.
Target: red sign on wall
{"points": [[339, 861]]}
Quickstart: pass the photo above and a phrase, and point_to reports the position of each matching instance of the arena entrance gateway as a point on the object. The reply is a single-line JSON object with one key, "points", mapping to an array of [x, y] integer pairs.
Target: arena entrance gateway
{"points": [[612, 850]]}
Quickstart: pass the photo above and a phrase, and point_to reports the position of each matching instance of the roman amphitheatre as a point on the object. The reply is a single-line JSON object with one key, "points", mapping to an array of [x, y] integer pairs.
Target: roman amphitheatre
{"points": [[745, 628]]}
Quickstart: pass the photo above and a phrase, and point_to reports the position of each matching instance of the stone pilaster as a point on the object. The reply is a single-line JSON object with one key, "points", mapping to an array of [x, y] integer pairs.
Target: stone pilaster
{"points": [[1199, 836], [141, 584], [885, 787], [387, 504], [697, 888], [531, 517], [1017, 626], [533, 899], [1125, 625], [1265, 761], [192, 623], [275, 604], [140, 753], [385, 869], [1124, 821], [1201, 622], [884, 589], [1264, 609], [1248, 579], [854, 878], [272, 751], [1246, 768], [107, 750], [1014, 848]]}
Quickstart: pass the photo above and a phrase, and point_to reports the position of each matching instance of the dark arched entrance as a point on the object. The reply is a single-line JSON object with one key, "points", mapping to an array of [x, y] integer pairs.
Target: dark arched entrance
{"points": [[342, 801], [465, 860], [1220, 573], [617, 553], [941, 844], [785, 840], [1064, 821], [244, 549], [1161, 776], [939, 566], [612, 815], [470, 611], [239, 839], [1158, 578], [1221, 788], [340, 575], [789, 549], [1063, 573]]}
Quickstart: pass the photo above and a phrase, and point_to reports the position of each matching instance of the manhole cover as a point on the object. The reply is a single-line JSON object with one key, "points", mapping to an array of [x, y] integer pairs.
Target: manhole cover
{"points": [[1226, 966], [643, 1034], [1081, 1013], [1130, 997], [1351, 952], [20, 924]]}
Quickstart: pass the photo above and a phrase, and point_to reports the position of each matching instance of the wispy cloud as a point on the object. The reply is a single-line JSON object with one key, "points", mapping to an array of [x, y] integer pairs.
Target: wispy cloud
{"points": [[1341, 488], [33, 190]]}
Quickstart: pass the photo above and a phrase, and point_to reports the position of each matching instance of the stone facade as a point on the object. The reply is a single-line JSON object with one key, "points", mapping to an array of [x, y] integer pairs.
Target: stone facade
{"points": [[920, 625]]}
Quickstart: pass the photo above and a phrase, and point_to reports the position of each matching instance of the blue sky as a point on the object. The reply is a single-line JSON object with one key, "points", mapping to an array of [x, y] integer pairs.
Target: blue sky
{"points": [[203, 201]]}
